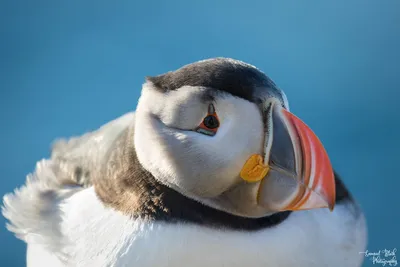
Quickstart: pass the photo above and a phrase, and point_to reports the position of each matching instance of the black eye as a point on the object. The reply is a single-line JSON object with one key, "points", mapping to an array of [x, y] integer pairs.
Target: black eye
{"points": [[211, 122]]}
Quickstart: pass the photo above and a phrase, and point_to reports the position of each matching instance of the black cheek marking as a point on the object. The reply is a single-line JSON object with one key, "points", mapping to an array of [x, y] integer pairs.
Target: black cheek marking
{"points": [[342, 193]]}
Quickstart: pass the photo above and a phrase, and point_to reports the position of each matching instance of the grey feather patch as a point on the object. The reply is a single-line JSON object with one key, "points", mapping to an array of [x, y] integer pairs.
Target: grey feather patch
{"points": [[33, 209]]}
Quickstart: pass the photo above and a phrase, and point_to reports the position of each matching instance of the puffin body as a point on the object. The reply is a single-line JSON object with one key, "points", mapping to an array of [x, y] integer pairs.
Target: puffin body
{"points": [[210, 170]]}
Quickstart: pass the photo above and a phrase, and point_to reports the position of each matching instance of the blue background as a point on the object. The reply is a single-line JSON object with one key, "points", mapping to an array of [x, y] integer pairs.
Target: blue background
{"points": [[67, 67]]}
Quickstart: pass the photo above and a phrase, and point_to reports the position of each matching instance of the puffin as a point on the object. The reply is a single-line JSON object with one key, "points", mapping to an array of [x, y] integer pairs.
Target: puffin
{"points": [[211, 169]]}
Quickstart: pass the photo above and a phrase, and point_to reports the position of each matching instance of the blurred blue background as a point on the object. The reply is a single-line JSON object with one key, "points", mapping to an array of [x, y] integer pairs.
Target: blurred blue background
{"points": [[67, 67]]}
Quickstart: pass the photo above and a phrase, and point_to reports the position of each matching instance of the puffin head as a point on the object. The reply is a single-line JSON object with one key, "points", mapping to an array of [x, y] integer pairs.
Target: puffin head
{"points": [[220, 132]]}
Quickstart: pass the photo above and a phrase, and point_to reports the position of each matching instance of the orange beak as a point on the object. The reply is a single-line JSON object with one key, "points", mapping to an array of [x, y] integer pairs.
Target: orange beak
{"points": [[300, 175]]}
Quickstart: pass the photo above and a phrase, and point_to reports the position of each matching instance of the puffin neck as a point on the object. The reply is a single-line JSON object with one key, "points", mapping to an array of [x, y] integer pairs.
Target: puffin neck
{"points": [[132, 190], [124, 185]]}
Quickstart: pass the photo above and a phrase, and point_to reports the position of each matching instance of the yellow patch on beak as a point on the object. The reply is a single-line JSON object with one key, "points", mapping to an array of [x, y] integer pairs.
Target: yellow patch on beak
{"points": [[254, 169]]}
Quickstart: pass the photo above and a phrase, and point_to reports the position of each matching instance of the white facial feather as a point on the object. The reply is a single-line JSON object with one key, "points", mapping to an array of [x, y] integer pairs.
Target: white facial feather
{"points": [[190, 162]]}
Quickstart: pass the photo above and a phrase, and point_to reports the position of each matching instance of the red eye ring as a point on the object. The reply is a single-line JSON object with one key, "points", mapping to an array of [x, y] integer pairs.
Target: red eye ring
{"points": [[210, 124]]}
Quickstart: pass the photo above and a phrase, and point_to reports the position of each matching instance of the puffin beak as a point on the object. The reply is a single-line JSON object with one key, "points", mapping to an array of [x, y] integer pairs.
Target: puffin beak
{"points": [[299, 173]]}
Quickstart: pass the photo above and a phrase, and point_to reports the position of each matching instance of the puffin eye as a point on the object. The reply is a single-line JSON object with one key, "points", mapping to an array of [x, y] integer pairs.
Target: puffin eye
{"points": [[209, 125], [211, 122]]}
